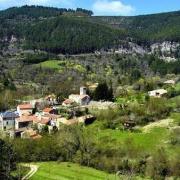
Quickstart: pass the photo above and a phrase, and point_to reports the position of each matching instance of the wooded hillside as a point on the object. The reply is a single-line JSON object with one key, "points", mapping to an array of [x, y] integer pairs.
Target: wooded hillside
{"points": [[71, 31]]}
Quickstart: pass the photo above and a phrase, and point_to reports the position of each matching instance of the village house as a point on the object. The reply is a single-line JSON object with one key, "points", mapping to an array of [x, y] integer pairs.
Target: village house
{"points": [[66, 121], [42, 123], [158, 93], [25, 121], [24, 109], [87, 119], [80, 99], [51, 99], [49, 120], [7, 120]]}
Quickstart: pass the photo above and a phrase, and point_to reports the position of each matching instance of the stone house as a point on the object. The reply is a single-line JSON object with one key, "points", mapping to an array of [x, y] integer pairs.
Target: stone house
{"points": [[24, 121], [24, 109], [82, 98], [7, 120]]}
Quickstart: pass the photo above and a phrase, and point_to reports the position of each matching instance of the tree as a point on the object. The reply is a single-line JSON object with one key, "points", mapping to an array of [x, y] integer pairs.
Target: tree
{"points": [[7, 160], [103, 92], [135, 75]]}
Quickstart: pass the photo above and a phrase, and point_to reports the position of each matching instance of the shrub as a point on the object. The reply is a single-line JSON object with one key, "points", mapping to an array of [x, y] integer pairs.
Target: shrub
{"points": [[158, 166]]}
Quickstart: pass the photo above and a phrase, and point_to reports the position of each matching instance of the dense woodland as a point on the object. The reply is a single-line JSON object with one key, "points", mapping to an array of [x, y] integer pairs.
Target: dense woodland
{"points": [[147, 28], [61, 32]]}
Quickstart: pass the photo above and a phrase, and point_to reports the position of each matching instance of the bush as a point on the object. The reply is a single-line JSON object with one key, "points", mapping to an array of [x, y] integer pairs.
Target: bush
{"points": [[158, 166], [174, 137], [158, 107], [110, 118]]}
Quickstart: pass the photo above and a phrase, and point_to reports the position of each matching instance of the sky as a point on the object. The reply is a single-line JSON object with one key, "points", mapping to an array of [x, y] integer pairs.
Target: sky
{"points": [[104, 7]]}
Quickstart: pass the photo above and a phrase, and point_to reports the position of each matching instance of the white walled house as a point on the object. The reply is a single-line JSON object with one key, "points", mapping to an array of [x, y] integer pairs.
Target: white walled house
{"points": [[24, 109], [158, 93], [7, 120], [82, 98]]}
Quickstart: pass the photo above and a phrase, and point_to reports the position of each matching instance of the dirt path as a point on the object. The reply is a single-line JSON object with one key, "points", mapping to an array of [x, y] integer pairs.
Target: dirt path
{"points": [[161, 123], [33, 170]]}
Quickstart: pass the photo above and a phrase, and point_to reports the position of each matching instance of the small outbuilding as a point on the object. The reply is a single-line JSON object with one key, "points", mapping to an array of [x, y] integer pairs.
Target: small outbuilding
{"points": [[158, 93]]}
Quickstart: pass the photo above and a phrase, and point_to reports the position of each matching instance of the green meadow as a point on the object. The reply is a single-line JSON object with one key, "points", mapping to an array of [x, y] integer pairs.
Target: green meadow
{"points": [[67, 171], [62, 65]]}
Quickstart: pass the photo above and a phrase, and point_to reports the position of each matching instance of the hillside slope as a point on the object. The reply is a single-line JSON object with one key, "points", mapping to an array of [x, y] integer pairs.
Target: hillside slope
{"points": [[50, 30], [66, 31], [152, 28], [70, 35]]}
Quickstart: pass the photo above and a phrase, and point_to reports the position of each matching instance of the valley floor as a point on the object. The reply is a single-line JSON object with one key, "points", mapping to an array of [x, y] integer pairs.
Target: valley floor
{"points": [[152, 135]]}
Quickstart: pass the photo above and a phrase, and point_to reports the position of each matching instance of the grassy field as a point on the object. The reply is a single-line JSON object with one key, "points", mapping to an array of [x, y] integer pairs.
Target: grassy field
{"points": [[67, 171], [146, 141], [52, 64], [62, 65]]}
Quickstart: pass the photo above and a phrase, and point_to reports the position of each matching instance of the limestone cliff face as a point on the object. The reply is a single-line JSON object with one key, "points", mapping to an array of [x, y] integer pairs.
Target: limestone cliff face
{"points": [[169, 51], [165, 47]]}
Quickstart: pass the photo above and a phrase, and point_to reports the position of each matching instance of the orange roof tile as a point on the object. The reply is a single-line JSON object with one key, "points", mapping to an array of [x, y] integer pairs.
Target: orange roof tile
{"points": [[44, 121], [51, 116], [25, 106], [25, 118]]}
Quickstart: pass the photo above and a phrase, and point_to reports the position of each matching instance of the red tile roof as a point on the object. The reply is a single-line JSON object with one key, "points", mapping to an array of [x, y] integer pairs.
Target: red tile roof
{"points": [[25, 118], [44, 121], [25, 106], [51, 116]]}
